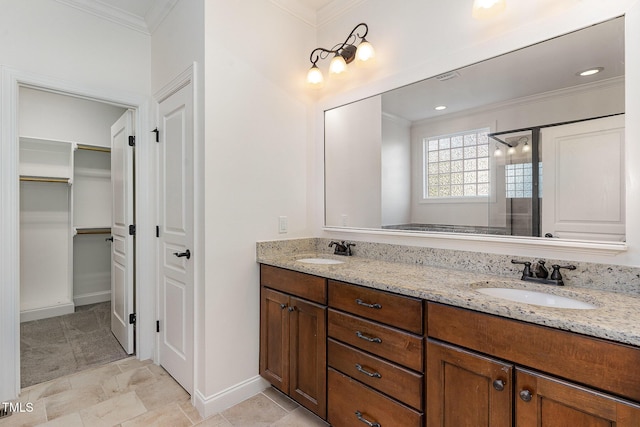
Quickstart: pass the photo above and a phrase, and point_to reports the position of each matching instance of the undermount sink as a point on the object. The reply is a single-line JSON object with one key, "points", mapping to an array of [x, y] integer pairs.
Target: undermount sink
{"points": [[536, 298], [320, 261]]}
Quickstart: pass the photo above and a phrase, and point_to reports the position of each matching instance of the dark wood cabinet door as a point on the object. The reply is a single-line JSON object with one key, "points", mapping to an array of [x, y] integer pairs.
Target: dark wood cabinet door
{"points": [[274, 338], [466, 389], [308, 353], [543, 401]]}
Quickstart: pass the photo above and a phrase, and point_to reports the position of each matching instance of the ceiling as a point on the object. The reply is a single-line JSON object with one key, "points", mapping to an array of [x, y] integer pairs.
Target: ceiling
{"points": [[146, 15]]}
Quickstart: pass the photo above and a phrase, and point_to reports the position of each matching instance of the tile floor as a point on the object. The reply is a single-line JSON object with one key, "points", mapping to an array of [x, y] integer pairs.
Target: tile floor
{"points": [[133, 393]]}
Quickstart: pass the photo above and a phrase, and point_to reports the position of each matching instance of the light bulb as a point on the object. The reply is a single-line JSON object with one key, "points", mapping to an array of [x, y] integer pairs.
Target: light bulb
{"points": [[483, 9], [526, 148], [498, 152], [365, 51], [314, 76], [511, 150], [338, 65]]}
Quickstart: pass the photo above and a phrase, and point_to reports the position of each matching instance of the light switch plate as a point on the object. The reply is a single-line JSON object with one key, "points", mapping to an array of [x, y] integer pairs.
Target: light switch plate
{"points": [[283, 224]]}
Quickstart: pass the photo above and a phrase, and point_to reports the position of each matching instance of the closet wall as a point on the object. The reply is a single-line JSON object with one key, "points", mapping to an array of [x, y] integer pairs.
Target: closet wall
{"points": [[65, 202]]}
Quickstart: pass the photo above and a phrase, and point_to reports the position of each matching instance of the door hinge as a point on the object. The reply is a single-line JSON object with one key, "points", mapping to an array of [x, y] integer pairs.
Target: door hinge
{"points": [[132, 230], [132, 141], [157, 326], [132, 319], [157, 132], [157, 231]]}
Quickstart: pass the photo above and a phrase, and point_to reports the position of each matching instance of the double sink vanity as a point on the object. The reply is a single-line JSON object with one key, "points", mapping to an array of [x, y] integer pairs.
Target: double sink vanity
{"points": [[367, 341]]}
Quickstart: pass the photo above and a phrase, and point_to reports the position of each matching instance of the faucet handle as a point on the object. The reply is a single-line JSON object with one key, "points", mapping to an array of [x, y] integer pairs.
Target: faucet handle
{"points": [[527, 268], [555, 275], [540, 270], [348, 245]]}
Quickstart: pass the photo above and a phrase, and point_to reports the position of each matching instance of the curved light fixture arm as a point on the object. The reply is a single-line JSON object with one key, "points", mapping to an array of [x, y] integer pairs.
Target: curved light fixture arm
{"points": [[346, 49]]}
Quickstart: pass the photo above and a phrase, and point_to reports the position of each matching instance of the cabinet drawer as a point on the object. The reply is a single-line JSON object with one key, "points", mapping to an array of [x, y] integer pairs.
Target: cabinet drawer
{"points": [[395, 310], [302, 285], [348, 400], [392, 344], [391, 379]]}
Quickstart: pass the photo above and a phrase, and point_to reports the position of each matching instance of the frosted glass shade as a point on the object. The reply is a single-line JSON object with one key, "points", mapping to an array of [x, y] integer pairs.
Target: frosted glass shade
{"points": [[365, 51], [483, 9], [314, 76], [338, 65]]}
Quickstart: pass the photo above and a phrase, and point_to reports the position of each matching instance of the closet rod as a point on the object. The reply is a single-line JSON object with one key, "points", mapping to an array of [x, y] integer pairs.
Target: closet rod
{"points": [[94, 231], [93, 148], [44, 179]]}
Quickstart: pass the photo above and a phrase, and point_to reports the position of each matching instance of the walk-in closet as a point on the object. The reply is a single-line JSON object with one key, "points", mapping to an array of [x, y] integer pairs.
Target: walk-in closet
{"points": [[65, 229]]}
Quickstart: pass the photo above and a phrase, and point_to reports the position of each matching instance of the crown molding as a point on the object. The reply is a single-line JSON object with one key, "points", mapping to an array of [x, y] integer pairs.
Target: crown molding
{"points": [[320, 17], [146, 25]]}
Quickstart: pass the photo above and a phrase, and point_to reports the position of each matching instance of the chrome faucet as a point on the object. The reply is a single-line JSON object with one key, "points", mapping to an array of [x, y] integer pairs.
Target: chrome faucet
{"points": [[342, 248], [541, 272]]}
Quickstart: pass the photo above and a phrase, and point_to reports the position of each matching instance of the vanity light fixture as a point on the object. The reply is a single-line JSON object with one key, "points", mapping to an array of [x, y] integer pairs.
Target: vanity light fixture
{"points": [[483, 9], [343, 54], [498, 152], [589, 72]]}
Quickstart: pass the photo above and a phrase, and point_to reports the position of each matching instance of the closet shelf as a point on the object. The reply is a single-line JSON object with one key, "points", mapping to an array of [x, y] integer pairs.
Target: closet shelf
{"points": [[92, 230], [94, 148]]}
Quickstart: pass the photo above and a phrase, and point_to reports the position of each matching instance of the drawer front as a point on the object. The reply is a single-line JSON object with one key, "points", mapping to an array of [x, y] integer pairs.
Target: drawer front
{"points": [[391, 379], [353, 404], [302, 285], [392, 344], [395, 310]]}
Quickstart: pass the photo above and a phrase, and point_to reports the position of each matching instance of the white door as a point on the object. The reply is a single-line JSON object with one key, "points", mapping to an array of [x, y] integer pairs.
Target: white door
{"points": [[175, 174], [122, 249], [583, 194]]}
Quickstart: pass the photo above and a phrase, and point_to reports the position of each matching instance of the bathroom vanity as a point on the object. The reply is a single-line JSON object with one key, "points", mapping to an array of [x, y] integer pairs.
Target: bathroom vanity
{"points": [[414, 345]]}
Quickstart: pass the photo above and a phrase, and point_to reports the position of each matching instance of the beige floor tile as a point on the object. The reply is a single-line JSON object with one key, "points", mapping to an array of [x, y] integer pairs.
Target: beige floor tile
{"points": [[113, 411], [215, 421], [190, 411], [286, 402], [71, 420], [23, 419], [300, 417], [94, 376], [160, 393], [167, 416], [134, 378], [73, 400], [132, 363], [256, 411], [42, 390]]}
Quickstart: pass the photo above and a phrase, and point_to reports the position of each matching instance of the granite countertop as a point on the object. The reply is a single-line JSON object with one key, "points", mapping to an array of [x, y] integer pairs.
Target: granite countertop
{"points": [[616, 318]]}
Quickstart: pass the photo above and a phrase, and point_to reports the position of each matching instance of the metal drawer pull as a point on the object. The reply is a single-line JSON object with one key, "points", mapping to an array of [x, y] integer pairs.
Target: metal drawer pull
{"points": [[366, 338], [360, 302], [371, 374], [366, 421]]}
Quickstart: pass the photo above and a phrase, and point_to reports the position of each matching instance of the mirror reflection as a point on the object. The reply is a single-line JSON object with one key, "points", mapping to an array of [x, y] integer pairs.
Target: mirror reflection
{"points": [[530, 143]]}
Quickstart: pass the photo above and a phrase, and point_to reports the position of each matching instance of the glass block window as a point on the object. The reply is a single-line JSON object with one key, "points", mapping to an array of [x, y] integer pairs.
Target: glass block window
{"points": [[456, 165], [518, 180]]}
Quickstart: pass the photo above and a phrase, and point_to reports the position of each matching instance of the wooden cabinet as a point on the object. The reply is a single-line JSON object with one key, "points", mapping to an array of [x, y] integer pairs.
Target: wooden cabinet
{"points": [[505, 383], [293, 336], [375, 357]]}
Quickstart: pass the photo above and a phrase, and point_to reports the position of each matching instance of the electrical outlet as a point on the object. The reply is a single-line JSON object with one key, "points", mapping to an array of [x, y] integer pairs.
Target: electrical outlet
{"points": [[283, 224], [345, 220]]}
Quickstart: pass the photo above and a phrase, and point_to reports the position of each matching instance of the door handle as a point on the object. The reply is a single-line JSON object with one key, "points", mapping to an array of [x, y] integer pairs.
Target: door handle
{"points": [[186, 254], [109, 239]]}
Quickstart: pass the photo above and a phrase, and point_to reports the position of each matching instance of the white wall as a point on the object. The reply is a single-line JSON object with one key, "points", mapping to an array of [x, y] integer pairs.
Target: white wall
{"points": [[396, 170], [352, 158], [416, 40], [256, 151]]}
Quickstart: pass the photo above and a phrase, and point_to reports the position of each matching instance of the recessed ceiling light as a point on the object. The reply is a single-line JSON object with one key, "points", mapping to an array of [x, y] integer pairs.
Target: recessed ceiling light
{"points": [[441, 107], [590, 71]]}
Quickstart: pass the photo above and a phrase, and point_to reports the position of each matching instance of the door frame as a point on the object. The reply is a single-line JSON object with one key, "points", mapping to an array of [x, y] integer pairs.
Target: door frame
{"points": [[189, 75], [11, 81]]}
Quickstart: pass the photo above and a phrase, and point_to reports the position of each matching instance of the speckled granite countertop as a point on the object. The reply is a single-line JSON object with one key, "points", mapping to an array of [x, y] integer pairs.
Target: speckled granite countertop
{"points": [[617, 317]]}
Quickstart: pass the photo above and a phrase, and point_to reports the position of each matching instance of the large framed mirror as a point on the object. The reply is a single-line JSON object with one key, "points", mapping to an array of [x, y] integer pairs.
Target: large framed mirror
{"points": [[530, 143]]}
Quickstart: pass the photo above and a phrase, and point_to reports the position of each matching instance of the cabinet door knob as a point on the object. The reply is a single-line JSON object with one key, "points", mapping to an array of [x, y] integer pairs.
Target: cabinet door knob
{"points": [[498, 385], [366, 338], [364, 371], [364, 304], [526, 395], [283, 306], [366, 421], [291, 309]]}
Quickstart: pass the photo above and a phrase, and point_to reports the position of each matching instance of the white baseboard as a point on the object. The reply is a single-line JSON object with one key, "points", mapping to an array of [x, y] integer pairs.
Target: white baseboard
{"points": [[210, 405], [46, 312], [92, 298]]}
